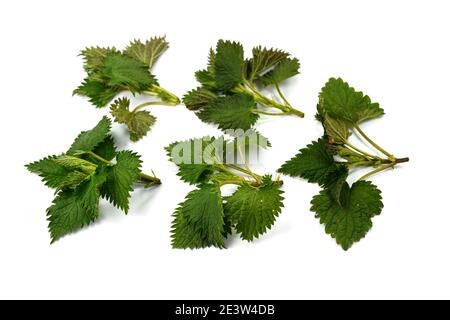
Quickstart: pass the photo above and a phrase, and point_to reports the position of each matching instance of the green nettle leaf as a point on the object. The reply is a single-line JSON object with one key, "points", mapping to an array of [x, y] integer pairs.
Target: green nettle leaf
{"points": [[264, 59], [198, 98], [126, 72], [55, 175], [228, 64], [314, 163], [88, 140], [99, 93], [230, 112], [285, 69], [106, 149], [120, 179], [84, 174], [253, 210], [199, 220], [138, 122], [194, 173], [336, 130], [341, 101], [93, 57], [350, 222], [207, 79], [149, 51], [74, 209]]}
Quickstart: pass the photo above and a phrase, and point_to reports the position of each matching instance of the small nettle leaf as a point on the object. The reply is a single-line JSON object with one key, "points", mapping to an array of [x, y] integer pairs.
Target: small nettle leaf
{"points": [[93, 57], [285, 69], [228, 63], [199, 220], [74, 209], [55, 175], [106, 150], [88, 140], [120, 179], [230, 112], [98, 92], [198, 98], [264, 59], [75, 163], [340, 101], [137, 122], [253, 210], [314, 163], [149, 51], [126, 72], [350, 222], [336, 130]]}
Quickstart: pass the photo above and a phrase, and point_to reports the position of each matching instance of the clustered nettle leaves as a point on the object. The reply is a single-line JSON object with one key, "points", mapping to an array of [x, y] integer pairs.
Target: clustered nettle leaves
{"points": [[231, 97], [206, 218], [230, 94], [110, 72], [91, 169], [346, 211]]}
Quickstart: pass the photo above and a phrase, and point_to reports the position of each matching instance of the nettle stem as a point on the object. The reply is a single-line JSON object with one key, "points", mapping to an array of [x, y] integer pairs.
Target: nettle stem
{"points": [[144, 178], [167, 98], [286, 108], [376, 146], [379, 163]]}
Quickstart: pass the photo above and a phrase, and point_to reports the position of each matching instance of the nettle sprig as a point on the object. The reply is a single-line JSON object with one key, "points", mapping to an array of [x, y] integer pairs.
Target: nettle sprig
{"points": [[230, 94], [206, 218], [346, 211], [91, 169], [110, 72]]}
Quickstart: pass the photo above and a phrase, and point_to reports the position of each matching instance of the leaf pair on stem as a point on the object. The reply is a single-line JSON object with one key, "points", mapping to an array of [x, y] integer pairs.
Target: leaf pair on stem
{"points": [[110, 72], [91, 169], [346, 211]]}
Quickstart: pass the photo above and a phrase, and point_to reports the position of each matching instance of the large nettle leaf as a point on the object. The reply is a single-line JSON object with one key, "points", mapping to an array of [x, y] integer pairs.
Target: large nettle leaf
{"points": [[349, 221], [340, 101]]}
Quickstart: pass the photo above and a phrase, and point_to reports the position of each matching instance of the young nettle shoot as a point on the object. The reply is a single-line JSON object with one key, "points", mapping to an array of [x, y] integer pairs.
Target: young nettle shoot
{"points": [[110, 72], [91, 169], [346, 211], [206, 218], [230, 95]]}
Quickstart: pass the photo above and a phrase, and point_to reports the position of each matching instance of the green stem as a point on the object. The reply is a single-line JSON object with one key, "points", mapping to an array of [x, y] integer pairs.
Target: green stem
{"points": [[387, 166], [243, 170], [150, 103], [376, 146], [362, 152], [277, 87], [389, 163], [287, 109], [169, 98], [144, 178], [269, 113]]}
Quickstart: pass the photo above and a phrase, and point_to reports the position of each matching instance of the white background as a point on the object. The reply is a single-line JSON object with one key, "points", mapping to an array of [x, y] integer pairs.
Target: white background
{"points": [[395, 51]]}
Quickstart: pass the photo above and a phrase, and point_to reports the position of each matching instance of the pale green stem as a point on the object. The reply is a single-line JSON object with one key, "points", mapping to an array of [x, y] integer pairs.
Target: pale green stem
{"points": [[387, 166], [376, 146], [348, 144]]}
